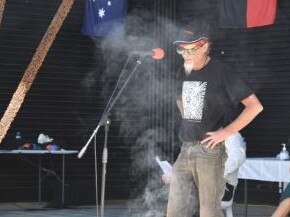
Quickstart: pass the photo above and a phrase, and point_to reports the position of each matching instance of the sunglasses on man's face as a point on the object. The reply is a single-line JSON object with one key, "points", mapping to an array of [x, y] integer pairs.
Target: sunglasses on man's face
{"points": [[190, 51]]}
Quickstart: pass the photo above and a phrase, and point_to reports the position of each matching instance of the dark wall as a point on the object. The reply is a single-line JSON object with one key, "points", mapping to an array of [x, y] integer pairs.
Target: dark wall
{"points": [[262, 57], [69, 95], [71, 89], [65, 101]]}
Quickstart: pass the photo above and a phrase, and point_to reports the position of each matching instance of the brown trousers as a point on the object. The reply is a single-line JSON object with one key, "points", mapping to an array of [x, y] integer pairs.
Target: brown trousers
{"points": [[198, 183]]}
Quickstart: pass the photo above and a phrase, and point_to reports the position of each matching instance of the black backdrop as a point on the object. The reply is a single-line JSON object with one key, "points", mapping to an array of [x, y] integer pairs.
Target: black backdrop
{"points": [[70, 90]]}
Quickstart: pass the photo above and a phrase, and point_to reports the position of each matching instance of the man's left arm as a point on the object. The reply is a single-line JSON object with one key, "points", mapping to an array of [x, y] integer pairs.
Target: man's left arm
{"points": [[252, 108]]}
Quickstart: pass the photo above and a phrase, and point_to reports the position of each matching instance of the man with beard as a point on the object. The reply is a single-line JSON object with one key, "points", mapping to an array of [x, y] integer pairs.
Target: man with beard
{"points": [[207, 90]]}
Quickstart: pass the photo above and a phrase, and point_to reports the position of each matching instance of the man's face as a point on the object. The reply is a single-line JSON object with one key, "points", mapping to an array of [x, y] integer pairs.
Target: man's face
{"points": [[192, 54]]}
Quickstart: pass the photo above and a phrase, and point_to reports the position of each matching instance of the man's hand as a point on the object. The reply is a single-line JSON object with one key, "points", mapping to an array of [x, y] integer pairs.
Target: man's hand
{"points": [[252, 108], [167, 178], [216, 137]]}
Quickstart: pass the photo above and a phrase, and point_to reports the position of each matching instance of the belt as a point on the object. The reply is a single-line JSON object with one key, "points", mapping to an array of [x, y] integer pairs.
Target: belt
{"points": [[198, 142], [192, 143]]}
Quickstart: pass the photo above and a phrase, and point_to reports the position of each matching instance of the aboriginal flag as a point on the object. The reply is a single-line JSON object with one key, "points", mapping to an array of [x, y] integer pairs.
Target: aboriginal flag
{"points": [[246, 13]]}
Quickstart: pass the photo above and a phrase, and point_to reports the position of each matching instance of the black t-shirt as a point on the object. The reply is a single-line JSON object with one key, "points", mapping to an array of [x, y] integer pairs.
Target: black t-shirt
{"points": [[207, 95]]}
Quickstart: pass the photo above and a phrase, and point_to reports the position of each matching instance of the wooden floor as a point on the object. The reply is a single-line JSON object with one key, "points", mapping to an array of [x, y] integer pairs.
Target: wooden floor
{"points": [[112, 209]]}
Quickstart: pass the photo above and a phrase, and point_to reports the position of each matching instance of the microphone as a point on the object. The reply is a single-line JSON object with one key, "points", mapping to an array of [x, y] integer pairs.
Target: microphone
{"points": [[156, 53]]}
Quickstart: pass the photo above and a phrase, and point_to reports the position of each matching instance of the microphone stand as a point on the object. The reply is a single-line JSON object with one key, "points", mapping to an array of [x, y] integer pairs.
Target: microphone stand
{"points": [[105, 121], [110, 106], [96, 175], [104, 171]]}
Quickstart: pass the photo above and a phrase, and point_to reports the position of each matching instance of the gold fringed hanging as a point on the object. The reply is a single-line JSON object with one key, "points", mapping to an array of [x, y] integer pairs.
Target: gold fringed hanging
{"points": [[2, 6], [32, 69]]}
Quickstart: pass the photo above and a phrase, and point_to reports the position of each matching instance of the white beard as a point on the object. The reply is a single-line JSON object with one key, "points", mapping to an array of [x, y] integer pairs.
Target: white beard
{"points": [[188, 67]]}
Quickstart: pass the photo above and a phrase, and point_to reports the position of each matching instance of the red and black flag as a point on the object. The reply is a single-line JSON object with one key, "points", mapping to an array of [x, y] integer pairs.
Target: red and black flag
{"points": [[247, 13]]}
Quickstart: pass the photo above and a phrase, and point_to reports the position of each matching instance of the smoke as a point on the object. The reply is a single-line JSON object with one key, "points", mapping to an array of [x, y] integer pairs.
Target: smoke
{"points": [[149, 205], [141, 109], [153, 198], [149, 88]]}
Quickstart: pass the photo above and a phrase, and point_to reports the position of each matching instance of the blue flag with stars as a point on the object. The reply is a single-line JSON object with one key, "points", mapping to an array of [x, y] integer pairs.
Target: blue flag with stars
{"points": [[104, 17]]}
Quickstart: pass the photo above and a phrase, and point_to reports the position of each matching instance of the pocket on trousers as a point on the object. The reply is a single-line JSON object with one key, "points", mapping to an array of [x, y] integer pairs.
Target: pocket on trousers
{"points": [[216, 151]]}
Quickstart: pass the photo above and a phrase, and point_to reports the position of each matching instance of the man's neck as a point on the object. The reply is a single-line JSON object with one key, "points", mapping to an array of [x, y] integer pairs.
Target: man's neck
{"points": [[201, 63]]}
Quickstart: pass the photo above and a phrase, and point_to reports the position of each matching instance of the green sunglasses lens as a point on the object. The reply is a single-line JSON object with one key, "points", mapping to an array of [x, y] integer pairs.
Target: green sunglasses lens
{"points": [[180, 51], [188, 51]]}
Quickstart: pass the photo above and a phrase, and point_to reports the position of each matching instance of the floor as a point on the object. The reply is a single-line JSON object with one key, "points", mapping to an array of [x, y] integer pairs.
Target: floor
{"points": [[112, 209]]}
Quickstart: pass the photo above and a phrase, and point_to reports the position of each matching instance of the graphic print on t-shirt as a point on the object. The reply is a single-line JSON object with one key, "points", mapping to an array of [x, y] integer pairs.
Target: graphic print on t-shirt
{"points": [[193, 93]]}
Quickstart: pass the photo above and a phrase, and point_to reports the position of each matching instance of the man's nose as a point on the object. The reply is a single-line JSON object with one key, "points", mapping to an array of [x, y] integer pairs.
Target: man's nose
{"points": [[186, 55]]}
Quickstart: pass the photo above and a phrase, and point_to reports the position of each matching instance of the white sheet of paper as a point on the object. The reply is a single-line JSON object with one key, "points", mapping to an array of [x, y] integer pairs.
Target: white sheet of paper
{"points": [[164, 165]]}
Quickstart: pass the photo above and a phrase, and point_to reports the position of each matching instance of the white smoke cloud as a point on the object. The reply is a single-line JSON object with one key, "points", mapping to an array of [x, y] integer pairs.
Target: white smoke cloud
{"points": [[149, 91]]}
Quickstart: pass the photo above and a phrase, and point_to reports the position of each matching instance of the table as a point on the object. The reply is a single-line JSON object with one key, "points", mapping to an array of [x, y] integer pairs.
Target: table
{"points": [[264, 169], [40, 153]]}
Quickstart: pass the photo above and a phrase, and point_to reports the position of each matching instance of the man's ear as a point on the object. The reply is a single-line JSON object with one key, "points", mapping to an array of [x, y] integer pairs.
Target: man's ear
{"points": [[206, 47]]}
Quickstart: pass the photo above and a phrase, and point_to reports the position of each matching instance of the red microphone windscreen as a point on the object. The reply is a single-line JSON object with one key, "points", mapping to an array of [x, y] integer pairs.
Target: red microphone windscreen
{"points": [[158, 53]]}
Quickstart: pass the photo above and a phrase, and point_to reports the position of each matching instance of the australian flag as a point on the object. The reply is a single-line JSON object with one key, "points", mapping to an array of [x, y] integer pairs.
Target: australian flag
{"points": [[104, 17]]}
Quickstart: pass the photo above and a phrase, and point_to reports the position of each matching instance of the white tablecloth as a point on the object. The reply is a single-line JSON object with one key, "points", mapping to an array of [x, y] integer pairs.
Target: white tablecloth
{"points": [[265, 169]]}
